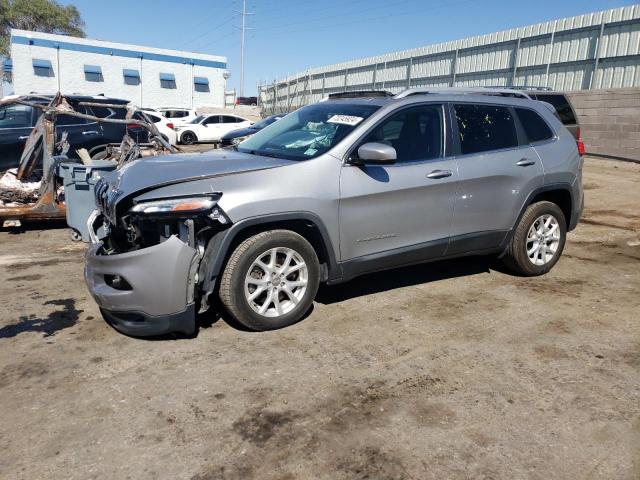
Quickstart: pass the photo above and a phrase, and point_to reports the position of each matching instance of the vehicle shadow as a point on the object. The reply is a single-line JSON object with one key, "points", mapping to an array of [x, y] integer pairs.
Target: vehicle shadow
{"points": [[35, 225], [366, 285], [404, 277]]}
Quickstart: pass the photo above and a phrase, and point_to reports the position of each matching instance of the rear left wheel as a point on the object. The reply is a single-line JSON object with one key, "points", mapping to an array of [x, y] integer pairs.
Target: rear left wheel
{"points": [[538, 240], [270, 280]]}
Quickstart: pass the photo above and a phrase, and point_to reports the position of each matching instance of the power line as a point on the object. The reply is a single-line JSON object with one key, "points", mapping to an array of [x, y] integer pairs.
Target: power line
{"points": [[362, 19], [208, 31], [340, 15], [307, 12]]}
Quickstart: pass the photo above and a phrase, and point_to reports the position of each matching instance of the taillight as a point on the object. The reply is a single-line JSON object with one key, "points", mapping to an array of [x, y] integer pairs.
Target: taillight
{"points": [[170, 125], [132, 126], [580, 143]]}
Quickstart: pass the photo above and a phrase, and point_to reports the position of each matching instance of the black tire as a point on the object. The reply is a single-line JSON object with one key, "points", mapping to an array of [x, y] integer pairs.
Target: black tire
{"points": [[188, 138], [516, 257], [75, 235], [232, 283]]}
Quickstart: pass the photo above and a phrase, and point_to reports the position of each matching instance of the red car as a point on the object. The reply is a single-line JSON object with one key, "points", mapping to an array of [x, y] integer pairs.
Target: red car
{"points": [[251, 101]]}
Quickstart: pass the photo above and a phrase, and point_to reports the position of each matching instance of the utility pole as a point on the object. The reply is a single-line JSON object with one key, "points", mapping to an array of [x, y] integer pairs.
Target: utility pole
{"points": [[244, 14]]}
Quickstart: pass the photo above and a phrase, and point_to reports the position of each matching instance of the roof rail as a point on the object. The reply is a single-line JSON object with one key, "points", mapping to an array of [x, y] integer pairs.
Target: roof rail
{"points": [[499, 92], [522, 87], [360, 94]]}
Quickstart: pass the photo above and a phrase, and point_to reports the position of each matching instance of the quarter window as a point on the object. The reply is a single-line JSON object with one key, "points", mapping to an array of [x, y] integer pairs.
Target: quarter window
{"points": [[534, 126], [485, 127], [415, 133], [562, 106]]}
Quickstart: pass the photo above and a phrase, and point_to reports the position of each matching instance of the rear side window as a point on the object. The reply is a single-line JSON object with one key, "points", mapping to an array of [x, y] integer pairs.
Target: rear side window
{"points": [[15, 116], [66, 120], [175, 113], [562, 106], [485, 127], [229, 119], [534, 126]]}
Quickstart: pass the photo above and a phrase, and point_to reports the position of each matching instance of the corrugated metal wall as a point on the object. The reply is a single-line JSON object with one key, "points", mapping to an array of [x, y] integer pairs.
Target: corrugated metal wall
{"points": [[592, 51]]}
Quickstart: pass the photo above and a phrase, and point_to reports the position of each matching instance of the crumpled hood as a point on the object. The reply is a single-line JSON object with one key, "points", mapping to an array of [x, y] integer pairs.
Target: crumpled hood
{"points": [[154, 172]]}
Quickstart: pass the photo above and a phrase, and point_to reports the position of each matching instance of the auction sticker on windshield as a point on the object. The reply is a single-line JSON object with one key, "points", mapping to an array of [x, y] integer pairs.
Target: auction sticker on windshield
{"points": [[345, 120]]}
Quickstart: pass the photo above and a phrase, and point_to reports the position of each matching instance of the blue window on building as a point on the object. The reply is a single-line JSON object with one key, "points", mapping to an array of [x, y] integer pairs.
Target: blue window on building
{"points": [[93, 73], [131, 77], [201, 84], [42, 68], [7, 65], [168, 80]]}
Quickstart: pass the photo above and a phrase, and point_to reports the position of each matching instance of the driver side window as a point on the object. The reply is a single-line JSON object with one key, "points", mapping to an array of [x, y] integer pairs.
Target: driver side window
{"points": [[416, 133], [212, 120]]}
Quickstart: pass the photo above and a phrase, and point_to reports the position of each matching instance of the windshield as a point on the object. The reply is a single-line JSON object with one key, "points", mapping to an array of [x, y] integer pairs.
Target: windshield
{"points": [[307, 132], [198, 119]]}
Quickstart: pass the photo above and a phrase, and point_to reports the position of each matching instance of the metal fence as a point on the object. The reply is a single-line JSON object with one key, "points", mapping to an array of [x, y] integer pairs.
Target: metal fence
{"points": [[596, 50]]}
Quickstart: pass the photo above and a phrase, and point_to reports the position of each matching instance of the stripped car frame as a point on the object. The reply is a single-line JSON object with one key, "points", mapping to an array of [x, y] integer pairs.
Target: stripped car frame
{"points": [[42, 150]]}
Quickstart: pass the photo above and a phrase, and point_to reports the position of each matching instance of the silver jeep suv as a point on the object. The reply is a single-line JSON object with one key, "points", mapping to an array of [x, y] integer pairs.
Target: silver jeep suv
{"points": [[331, 191]]}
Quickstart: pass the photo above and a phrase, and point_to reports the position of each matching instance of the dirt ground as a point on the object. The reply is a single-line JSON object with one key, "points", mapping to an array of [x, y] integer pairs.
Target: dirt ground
{"points": [[450, 370]]}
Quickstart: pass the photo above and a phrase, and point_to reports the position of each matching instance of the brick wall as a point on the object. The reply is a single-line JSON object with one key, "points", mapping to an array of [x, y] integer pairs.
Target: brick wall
{"points": [[609, 121]]}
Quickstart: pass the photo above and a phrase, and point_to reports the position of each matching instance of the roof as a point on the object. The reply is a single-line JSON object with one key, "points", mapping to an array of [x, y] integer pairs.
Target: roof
{"points": [[101, 47]]}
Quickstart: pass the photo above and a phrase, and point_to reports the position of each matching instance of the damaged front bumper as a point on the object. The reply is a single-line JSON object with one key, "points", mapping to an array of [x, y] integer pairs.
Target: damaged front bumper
{"points": [[139, 292]]}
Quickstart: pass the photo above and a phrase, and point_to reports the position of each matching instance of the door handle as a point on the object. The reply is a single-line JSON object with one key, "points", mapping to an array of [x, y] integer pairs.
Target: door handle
{"points": [[23, 137], [439, 174], [525, 162], [90, 132]]}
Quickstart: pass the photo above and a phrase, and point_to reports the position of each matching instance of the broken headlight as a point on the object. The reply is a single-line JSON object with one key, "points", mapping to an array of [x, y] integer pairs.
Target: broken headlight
{"points": [[183, 206]]}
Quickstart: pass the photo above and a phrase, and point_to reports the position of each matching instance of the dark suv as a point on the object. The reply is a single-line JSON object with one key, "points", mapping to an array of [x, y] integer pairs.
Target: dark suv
{"points": [[17, 121]]}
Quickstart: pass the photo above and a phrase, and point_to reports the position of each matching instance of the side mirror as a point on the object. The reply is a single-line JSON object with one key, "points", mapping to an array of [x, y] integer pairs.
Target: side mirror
{"points": [[374, 153]]}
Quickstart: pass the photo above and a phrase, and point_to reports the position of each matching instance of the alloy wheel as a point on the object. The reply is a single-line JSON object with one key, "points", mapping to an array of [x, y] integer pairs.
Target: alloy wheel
{"points": [[543, 239], [276, 282]]}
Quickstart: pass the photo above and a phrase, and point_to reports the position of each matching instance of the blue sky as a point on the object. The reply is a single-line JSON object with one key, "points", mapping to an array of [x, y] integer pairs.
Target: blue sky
{"points": [[292, 35]]}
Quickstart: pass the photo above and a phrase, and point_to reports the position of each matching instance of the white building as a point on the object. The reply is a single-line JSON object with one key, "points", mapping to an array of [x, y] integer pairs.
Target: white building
{"points": [[150, 77]]}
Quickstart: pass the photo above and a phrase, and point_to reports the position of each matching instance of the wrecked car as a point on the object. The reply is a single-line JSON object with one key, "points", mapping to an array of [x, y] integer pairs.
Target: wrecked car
{"points": [[19, 115], [34, 190], [330, 192]]}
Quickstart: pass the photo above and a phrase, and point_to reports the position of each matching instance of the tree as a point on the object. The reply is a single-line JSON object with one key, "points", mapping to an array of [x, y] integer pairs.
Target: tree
{"points": [[37, 15]]}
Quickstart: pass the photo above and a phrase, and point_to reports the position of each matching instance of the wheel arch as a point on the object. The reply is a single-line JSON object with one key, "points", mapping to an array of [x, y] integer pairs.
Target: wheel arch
{"points": [[558, 193], [559, 196], [306, 224]]}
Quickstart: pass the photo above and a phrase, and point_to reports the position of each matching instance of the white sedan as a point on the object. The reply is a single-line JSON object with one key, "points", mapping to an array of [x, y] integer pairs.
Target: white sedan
{"points": [[164, 126], [209, 128]]}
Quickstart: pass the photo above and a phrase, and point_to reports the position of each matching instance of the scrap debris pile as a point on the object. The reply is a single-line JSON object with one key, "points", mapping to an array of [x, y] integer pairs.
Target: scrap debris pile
{"points": [[34, 191], [14, 193]]}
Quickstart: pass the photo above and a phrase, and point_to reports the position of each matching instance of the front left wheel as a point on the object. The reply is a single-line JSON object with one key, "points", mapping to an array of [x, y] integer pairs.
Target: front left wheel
{"points": [[270, 280]]}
